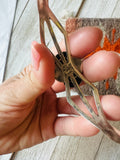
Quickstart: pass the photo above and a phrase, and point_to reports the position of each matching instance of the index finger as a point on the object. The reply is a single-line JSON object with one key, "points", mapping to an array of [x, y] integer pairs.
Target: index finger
{"points": [[82, 41]]}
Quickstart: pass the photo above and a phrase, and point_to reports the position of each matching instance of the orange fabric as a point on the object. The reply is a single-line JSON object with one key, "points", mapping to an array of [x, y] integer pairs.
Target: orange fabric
{"points": [[109, 46]]}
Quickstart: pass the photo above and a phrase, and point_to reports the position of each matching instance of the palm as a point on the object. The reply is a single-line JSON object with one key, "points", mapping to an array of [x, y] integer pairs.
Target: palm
{"points": [[31, 123]]}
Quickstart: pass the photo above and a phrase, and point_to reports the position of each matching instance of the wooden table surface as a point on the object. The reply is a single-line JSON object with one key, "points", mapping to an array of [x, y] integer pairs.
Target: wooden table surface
{"points": [[26, 30]]}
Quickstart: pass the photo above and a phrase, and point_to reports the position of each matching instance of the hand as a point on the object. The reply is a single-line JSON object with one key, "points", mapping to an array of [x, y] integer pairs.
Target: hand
{"points": [[28, 105]]}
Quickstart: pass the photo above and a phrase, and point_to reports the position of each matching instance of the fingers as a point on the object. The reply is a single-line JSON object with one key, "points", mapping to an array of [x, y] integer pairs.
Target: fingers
{"points": [[34, 80], [101, 65], [41, 75], [64, 108], [78, 126], [82, 41], [110, 103], [74, 126], [43, 69], [111, 107]]}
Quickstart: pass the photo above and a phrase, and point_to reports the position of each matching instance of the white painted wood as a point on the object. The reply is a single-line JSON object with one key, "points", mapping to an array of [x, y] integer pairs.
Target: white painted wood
{"points": [[108, 150], [26, 30], [6, 156], [21, 5], [100, 9], [42, 151], [76, 148], [7, 11]]}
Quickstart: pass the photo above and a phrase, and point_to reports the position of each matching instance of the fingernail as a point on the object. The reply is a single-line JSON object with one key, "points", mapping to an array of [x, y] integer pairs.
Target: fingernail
{"points": [[35, 56]]}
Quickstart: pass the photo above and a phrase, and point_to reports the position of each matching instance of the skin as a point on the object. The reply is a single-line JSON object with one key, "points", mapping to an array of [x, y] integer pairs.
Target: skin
{"points": [[28, 105]]}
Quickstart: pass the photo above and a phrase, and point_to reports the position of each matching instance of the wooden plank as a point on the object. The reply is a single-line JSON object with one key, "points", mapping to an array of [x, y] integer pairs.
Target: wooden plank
{"points": [[25, 32], [115, 13], [6, 26], [5, 157], [39, 152], [21, 5], [76, 148], [108, 150], [100, 9]]}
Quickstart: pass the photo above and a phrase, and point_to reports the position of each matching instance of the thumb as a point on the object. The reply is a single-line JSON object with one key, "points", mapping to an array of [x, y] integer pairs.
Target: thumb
{"points": [[34, 80], [42, 70]]}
